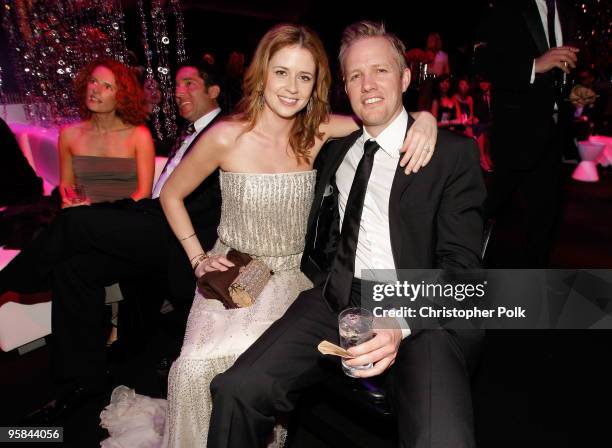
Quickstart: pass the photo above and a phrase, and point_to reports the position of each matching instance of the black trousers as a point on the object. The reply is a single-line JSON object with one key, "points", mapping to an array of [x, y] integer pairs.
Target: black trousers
{"points": [[539, 188], [428, 386], [102, 246]]}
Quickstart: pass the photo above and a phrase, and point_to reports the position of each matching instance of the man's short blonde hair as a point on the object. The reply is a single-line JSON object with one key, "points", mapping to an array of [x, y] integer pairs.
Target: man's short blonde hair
{"points": [[364, 29]]}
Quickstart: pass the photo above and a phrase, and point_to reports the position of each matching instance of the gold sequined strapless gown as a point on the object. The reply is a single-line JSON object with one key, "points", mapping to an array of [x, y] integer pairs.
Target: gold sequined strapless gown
{"points": [[263, 215]]}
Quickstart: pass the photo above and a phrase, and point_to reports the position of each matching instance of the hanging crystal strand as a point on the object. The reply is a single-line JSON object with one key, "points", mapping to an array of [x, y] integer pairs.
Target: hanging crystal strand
{"points": [[121, 50], [162, 42], [149, 70], [2, 97], [71, 41], [180, 31], [55, 99], [51, 79], [30, 56]]}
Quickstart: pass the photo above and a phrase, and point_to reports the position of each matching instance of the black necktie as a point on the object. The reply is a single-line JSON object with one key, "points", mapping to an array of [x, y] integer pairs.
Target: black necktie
{"points": [[550, 17], [338, 288], [186, 132]]}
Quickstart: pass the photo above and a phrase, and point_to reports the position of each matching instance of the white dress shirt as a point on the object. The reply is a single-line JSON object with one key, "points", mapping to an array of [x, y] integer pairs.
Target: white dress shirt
{"points": [[199, 125], [374, 241], [543, 10]]}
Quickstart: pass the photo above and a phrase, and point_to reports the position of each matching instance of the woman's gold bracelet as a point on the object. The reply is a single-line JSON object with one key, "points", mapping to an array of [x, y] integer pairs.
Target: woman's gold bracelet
{"points": [[187, 237], [195, 256], [200, 259]]}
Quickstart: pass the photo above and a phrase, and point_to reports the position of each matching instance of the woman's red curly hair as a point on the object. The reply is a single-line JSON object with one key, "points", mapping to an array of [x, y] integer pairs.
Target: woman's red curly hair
{"points": [[131, 106]]}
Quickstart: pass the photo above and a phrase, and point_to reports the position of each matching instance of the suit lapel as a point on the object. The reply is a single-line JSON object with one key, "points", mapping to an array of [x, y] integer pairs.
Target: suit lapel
{"points": [[400, 183], [338, 157], [333, 163], [330, 166], [535, 26], [201, 133]]}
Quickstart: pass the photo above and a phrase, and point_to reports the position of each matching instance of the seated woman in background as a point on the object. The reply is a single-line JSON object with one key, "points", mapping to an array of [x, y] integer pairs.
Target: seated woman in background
{"points": [[464, 107], [482, 127], [109, 155], [105, 157], [442, 106]]}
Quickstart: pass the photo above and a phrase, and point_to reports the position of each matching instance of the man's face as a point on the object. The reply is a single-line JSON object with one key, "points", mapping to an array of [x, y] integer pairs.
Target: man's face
{"points": [[485, 86], [193, 98], [374, 82]]}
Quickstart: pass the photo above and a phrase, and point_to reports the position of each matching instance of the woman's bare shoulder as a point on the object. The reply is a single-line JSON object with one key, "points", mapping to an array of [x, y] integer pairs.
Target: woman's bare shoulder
{"points": [[141, 131], [75, 127], [226, 132]]}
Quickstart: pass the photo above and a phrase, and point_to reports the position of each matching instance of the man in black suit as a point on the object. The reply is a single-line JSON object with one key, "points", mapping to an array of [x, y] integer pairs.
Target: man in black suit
{"points": [[130, 242], [528, 65], [387, 221]]}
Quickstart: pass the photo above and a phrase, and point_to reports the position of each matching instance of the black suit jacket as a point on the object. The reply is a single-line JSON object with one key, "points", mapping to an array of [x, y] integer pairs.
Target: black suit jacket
{"points": [[435, 215], [522, 111], [482, 110]]}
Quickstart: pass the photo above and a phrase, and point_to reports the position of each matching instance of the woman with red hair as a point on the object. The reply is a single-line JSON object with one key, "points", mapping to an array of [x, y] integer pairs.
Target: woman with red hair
{"points": [[109, 155]]}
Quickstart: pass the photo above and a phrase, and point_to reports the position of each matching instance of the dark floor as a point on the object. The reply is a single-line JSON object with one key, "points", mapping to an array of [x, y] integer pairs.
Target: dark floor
{"points": [[536, 388]]}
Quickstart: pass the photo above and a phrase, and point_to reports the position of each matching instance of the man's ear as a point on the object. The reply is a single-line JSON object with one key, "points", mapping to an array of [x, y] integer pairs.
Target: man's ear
{"points": [[405, 79], [214, 91]]}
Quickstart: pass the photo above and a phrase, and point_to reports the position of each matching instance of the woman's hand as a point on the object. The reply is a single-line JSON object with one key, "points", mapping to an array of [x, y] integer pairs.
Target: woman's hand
{"points": [[212, 263], [72, 197], [75, 203], [420, 142]]}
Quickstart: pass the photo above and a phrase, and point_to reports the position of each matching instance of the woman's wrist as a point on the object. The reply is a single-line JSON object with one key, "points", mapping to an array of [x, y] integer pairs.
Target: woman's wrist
{"points": [[197, 260]]}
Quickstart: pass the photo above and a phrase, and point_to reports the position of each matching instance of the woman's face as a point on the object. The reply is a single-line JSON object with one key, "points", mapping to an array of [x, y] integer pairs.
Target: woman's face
{"points": [[101, 90], [463, 87], [432, 42], [445, 86], [290, 81]]}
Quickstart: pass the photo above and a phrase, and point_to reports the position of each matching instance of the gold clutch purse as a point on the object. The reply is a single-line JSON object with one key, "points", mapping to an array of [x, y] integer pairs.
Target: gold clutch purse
{"points": [[240, 285]]}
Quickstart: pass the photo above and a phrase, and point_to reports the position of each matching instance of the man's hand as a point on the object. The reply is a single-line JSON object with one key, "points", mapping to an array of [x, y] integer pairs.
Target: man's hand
{"points": [[420, 142], [561, 57], [381, 350]]}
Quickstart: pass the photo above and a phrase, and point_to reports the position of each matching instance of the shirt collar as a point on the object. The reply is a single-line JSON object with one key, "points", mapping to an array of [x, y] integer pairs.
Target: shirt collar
{"points": [[205, 120], [392, 137]]}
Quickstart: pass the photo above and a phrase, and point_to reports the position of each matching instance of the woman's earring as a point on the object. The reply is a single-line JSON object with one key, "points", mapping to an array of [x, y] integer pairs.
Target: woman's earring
{"points": [[309, 106], [260, 100]]}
